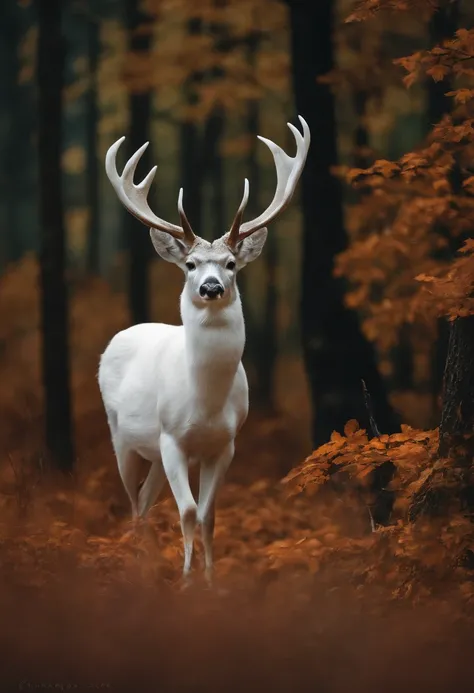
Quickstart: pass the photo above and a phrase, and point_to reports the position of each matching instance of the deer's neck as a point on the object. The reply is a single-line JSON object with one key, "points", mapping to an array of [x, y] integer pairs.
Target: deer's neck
{"points": [[215, 340]]}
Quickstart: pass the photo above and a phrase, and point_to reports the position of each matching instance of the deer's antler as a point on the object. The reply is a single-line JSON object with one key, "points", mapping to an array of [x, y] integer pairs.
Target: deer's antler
{"points": [[288, 172], [134, 197]]}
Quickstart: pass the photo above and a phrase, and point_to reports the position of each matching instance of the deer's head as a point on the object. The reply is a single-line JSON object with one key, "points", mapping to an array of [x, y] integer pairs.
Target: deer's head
{"points": [[210, 268]]}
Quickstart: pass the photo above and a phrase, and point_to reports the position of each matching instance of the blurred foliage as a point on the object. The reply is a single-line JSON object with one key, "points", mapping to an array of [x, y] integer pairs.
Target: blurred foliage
{"points": [[416, 559], [416, 211]]}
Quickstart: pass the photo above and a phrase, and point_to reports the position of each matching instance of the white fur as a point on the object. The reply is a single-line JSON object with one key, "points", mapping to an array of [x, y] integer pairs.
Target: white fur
{"points": [[176, 396]]}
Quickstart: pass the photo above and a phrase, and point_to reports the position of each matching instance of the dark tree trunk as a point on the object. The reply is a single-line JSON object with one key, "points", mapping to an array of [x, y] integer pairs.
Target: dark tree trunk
{"points": [[452, 486], [456, 431], [337, 356], [211, 168], [16, 154], [54, 306], [211, 160], [403, 367], [251, 324], [267, 345], [190, 149], [361, 136], [138, 240], [262, 336], [443, 25], [92, 119], [190, 173]]}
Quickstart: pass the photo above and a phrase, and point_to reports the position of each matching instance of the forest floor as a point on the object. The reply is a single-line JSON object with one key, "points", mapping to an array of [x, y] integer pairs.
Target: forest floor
{"points": [[87, 601]]}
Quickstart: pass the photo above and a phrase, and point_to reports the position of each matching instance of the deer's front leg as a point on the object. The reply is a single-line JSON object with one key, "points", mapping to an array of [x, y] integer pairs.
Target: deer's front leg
{"points": [[176, 470], [211, 476]]}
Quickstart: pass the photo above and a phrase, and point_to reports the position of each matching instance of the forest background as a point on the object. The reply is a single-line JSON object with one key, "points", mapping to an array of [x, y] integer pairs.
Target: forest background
{"points": [[201, 82], [359, 312]]}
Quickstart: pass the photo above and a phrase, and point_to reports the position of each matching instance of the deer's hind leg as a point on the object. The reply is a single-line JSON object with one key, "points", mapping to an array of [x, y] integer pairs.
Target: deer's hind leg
{"points": [[152, 487], [128, 462]]}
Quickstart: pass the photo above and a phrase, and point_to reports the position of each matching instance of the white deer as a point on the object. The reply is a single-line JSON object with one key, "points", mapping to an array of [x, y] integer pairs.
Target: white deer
{"points": [[178, 395]]}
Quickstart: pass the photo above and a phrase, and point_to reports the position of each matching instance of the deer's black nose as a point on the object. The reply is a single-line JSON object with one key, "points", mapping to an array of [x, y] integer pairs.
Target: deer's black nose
{"points": [[212, 288]]}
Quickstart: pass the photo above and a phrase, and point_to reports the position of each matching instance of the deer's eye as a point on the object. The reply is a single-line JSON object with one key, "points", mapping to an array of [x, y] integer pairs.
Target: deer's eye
{"points": [[190, 266], [230, 265]]}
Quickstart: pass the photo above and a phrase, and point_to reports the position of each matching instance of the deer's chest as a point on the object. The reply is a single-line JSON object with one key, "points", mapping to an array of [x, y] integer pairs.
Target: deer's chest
{"points": [[206, 438]]}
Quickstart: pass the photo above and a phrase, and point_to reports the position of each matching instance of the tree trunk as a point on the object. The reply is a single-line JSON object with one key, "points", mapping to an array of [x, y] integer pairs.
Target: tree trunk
{"points": [[451, 486], [190, 150], [211, 167], [403, 365], [211, 164], [267, 345], [54, 306], [337, 356], [189, 168], [92, 119], [456, 431], [361, 136], [15, 152], [138, 240], [443, 25], [262, 336]]}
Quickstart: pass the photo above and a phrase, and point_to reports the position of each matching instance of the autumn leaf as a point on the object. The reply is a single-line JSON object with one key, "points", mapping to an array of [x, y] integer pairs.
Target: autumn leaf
{"points": [[438, 72], [386, 168], [424, 278], [469, 183], [351, 427], [461, 95]]}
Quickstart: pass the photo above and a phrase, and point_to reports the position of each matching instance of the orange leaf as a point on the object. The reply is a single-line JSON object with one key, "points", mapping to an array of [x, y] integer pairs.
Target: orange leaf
{"points": [[438, 72], [351, 427], [461, 95]]}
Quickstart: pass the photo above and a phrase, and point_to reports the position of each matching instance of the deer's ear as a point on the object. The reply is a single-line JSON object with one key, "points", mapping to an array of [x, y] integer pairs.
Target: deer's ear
{"points": [[167, 247], [250, 248]]}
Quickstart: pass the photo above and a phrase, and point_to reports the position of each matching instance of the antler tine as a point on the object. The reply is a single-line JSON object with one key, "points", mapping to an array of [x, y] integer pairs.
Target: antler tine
{"points": [[145, 185], [130, 167], [134, 197], [187, 230], [288, 171], [233, 236]]}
